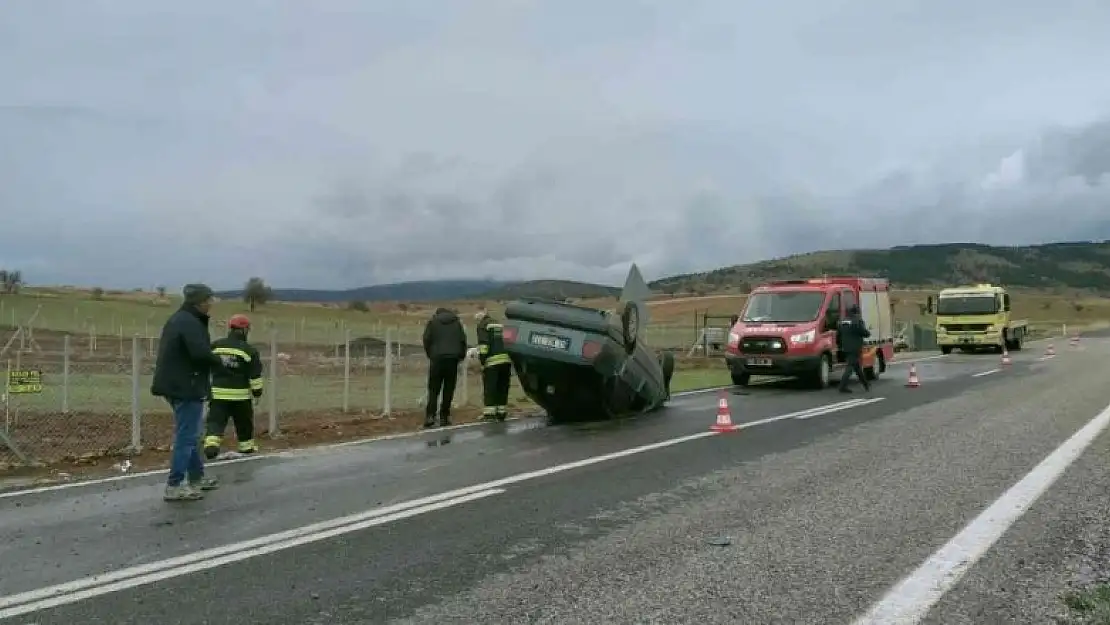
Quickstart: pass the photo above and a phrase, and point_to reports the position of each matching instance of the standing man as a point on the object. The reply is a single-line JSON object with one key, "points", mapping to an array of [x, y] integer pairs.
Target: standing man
{"points": [[182, 376], [850, 335], [445, 347], [496, 368], [234, 389]]}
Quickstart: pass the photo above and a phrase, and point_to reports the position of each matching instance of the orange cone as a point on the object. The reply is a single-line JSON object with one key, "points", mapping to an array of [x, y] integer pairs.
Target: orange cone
{"points": [[1050, 350], [1006, 362], [913, 382], [724, 417]]}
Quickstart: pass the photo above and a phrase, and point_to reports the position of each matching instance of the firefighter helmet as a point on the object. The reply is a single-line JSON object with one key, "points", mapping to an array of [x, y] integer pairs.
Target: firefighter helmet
{"points": [[239, 322]]}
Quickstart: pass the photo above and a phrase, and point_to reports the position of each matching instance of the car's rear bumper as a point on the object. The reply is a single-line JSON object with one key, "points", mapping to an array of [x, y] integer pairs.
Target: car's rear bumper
{"points": [[781, 364]]}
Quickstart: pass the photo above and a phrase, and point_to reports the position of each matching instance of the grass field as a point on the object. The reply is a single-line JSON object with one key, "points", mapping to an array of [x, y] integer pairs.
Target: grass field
{"points": [[673, 322], [310, 386]]}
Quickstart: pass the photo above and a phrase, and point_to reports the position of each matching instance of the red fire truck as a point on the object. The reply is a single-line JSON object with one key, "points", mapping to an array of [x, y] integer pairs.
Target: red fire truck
{"points": [[788, 329]]}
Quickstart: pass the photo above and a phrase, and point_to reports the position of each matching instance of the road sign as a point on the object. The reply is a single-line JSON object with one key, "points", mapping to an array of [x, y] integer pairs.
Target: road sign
{"points": [[24, 381]]}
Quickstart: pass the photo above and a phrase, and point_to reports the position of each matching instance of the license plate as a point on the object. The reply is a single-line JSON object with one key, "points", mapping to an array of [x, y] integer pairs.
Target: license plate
{"points": [[759, 362], [549, 341]]}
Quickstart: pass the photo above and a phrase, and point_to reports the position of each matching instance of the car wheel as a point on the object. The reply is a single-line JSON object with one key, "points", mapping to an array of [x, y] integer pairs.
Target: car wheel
{"points": [[824, 373], [630, 326], [741, 379]]}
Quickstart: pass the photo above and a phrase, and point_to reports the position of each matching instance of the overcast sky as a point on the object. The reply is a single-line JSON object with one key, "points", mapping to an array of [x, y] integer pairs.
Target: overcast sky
{"points": [[341, 143]]}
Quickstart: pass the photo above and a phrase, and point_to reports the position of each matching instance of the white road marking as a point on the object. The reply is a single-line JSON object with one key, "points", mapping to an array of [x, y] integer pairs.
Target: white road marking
{"points": [[910, 600], [983, 373], [96, 585], [853, 403]]}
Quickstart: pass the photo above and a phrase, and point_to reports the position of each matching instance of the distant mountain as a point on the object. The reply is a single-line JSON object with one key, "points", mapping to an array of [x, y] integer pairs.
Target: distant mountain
{"points": [[422, 291], [551, 289], [1081, 265], [442, 290]]}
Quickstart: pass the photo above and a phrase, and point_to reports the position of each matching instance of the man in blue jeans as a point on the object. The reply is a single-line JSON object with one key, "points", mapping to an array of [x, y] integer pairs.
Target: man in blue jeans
{"points": [[182, 375]]}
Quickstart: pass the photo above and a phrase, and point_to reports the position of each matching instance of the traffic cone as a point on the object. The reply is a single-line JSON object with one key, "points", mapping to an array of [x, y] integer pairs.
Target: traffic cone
{"points": [[913, 382], [724, 417], [1006, 362], [1050, 350], [1074, 340]]}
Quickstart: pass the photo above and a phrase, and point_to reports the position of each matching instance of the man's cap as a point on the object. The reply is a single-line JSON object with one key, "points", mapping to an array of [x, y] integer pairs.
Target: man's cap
{"points": [[196, 293]]}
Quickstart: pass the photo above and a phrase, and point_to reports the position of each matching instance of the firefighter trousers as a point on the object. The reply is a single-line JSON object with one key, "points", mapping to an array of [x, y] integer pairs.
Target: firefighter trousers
{"points": [[220, 411], [495, 390]]}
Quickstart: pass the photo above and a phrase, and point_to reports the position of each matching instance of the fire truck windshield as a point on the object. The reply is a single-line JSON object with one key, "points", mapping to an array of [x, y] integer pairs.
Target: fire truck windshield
{"points": [[783, 306], [967, 305]]}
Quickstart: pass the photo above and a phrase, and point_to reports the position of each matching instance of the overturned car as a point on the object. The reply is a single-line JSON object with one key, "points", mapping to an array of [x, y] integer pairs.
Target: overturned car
{"points": [[581, 363]]}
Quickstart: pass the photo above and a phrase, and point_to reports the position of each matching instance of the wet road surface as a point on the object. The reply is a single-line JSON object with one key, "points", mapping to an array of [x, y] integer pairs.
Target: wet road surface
{"points": [[808, 515]]}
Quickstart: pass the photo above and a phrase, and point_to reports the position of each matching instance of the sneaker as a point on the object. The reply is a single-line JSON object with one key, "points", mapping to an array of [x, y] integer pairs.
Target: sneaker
{"points": [[182, 492], [205, 483], [429, 422], [444, 421]]}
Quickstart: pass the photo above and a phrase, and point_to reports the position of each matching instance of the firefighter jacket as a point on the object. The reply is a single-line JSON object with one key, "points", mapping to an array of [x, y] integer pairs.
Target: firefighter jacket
{"points": [[241, 376], [491, 345]]}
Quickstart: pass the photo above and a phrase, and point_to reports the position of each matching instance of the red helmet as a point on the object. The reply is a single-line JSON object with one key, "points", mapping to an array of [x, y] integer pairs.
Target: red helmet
{"points": [[239, 322]]}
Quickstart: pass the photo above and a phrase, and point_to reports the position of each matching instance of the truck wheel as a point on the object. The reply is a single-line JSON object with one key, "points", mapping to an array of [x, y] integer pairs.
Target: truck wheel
{"points": [[820, 378], [1019, 340], [946, 349], [741, 379]]}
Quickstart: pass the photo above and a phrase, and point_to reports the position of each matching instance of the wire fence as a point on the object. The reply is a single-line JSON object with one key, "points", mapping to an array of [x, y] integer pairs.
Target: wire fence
{"points": [[67, 403]]}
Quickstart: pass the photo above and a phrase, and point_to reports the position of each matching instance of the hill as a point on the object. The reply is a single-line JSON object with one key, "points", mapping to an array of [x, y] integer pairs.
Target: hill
{"points": [[422, 291], [441, 290], [1081, 265], [551, 289]]}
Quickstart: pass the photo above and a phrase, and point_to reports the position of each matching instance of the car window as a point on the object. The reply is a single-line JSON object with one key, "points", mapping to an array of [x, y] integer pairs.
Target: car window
{"points": [[849, 299], [832, 311]]}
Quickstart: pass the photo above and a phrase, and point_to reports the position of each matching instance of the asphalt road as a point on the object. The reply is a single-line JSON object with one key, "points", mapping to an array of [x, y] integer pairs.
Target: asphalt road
{"points": [[808, 515]]}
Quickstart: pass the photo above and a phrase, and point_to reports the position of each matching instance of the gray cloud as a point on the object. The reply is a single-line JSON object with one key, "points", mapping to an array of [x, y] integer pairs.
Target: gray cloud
{"points": [[349, 142]]}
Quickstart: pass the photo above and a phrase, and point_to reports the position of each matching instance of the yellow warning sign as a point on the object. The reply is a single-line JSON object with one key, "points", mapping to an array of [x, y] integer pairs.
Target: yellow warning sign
{"points": [[25, 381]]}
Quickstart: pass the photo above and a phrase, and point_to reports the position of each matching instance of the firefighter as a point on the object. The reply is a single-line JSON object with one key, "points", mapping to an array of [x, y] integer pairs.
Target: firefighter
{"points": [[234, 389], [496, 368]]}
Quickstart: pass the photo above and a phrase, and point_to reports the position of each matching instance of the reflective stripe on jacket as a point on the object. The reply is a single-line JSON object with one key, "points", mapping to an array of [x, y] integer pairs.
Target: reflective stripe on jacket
{"points": [[491, 344], [241, 377]]}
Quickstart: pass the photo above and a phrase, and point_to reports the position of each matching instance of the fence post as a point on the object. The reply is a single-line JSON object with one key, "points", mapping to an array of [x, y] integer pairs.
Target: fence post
{"points": [[386, 401], [65, 374], [346, 369], [271, 392], [136, 414]]}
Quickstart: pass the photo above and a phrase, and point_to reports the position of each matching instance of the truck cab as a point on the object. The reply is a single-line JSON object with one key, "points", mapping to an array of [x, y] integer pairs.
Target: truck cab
{"points": [[976, 317], [788, 329]]}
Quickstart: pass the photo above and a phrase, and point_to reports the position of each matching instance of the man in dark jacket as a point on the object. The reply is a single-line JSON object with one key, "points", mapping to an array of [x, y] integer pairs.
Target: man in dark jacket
{"points": [[182, 376], [851, 334], [445, 347]]}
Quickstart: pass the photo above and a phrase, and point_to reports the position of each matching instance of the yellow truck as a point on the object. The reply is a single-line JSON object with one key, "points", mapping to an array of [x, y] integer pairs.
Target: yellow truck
{"points": [[977, 317]]}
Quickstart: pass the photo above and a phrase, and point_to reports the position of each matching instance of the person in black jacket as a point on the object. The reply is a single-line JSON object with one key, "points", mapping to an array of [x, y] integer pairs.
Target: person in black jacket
{"points": [[182, 377], [445, 347], [235, 389], [851, 333]]}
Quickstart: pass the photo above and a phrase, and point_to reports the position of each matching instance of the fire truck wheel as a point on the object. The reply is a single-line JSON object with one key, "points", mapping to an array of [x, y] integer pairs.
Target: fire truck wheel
{"points": [[823, 374]]}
